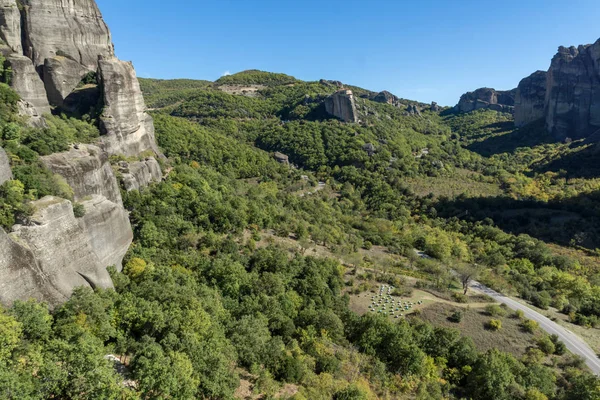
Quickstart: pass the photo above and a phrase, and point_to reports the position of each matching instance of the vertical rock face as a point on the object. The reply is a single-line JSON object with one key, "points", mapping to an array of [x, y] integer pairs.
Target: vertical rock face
{"points": [[88, 172], [107, 228], [5, 171], [139, 174], [530, 98], [61, 77], [70, 28], [10, 25], [61, 248], [341, 105], [27, 83], [573, 92], [127, 128], [487, 98]]}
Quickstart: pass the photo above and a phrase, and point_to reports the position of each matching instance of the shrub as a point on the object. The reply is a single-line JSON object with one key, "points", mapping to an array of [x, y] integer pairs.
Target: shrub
{"points": [[494, 325], [541, 300], [529, 326], [559, 347], [460, 298], [456, 316], [519, 314], [546, 345], [494, 310], [78, 210]]}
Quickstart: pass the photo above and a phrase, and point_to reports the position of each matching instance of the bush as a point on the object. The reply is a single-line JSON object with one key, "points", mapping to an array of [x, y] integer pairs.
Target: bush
{"points": [[494, 310], [519, 314], [78, 210], [541, 300], [529, 326], [559, 347], [546, 345], [456, 317], [460, 298], [494, 325]]}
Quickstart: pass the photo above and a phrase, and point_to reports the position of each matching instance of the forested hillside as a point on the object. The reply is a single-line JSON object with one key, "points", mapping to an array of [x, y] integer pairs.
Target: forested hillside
{"points": [[247, 276]]}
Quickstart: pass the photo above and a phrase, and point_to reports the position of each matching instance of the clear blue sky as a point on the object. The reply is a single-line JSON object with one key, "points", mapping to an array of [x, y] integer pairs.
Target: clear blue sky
{"points": [[423, 50]]}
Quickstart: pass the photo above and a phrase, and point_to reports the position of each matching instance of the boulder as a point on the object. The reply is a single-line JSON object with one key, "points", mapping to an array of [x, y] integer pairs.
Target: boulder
{"points": [[88, 172], [412, 109], [139, 174], [70, 28], [107, 229], [61, 76], [386, 97], [61, 248], [530, 98], [127, 127], [281, 158], [10, 25], [342, 106], [5, 171], [435, 107], [28, 84], [497, 100], [370, 149], [573, 92]]}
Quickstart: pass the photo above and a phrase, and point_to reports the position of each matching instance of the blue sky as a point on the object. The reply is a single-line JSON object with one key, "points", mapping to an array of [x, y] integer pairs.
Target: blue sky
{"points": [[427, 50]]}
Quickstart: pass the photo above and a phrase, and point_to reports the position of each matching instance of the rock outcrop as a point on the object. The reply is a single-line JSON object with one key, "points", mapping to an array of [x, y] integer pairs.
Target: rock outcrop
{"points": [[573, 92], [70, 28], [60, 251], [27, 83], [412, 109], [88, 172], [10, 25], [5, 171], [108, 230], [530, 98], [342, 106], [127, 127], [61, 76], [492, 99], [386, 98], [281, 158], [139, 174], [435, 107]]}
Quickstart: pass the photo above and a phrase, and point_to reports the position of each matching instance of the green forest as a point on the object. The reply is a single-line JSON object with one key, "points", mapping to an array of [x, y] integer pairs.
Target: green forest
{"points": [[247, 276]]}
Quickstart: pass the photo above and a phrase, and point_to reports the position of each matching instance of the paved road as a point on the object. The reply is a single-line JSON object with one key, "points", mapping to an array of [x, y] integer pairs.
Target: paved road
{"points": [[575, 344]]}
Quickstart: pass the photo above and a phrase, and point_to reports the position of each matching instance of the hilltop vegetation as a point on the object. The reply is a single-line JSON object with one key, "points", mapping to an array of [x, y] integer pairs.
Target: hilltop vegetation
{"points": [[199, 304]]}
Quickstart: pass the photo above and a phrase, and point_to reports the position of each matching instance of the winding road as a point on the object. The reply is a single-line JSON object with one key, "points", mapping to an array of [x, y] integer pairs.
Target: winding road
{"points": [[573, 342]]}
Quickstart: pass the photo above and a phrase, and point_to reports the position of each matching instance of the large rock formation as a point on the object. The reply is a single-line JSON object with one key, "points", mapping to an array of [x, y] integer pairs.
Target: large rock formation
{"points": [[5, 171], [10, 25], [108, 230], [51, 45], [61, 249], [341, 105], [139, 174], [27, 83], [573, 92], [70, 28], [386, 97], [88, 172], [487, 98], [530, 98], [128, 129]]}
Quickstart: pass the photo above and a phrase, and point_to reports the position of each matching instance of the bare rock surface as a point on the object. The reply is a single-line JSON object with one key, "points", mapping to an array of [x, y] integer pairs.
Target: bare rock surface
{"points": [[489, 98], [71, 28], [128, 129], [573, 92], [341, 105], [139, 174], [27, 83], [10, 25], [88, 172], [530, 98], [61, 76], [108, 230], [61, 247], [5, 171]]}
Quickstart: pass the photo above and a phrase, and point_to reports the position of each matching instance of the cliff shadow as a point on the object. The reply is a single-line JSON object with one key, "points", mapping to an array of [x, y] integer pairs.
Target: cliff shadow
{"points": [[572, 221], [582, 163], [531, 135]]}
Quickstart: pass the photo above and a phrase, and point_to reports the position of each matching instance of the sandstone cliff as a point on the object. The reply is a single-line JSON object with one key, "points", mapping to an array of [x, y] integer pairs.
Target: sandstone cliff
{"points": [[5, 171], [530, 98], [487, 98], [341, 105], [128, 129], [139, 174], [573, 92]]}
